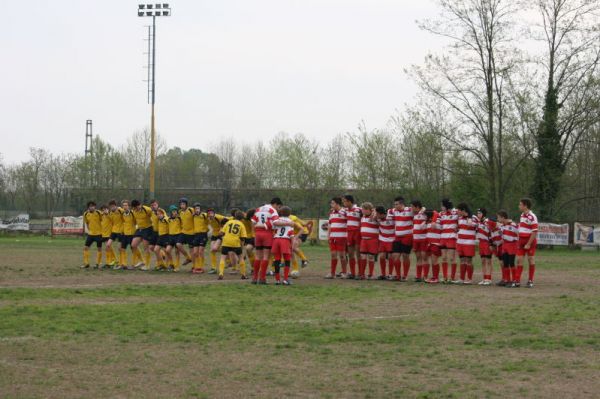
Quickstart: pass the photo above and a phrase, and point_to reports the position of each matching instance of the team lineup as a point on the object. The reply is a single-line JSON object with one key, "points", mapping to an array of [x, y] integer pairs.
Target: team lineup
{"points": [[358, 237]]}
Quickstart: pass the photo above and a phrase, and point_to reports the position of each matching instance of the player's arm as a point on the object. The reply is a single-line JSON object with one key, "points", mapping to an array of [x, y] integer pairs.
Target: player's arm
{"points": [[279, 222], [532, 237]]}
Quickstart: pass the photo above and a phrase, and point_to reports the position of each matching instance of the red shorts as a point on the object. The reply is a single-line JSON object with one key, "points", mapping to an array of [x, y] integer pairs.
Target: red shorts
{"points": [[420, 246], [405, 240], [384, 246], [448, 243], [465, 251], [353, 238], [337, 244], [263, 239], [521, 251], [434, 250], [484, 249], [282, 247], [369, 246], [510, 248]]}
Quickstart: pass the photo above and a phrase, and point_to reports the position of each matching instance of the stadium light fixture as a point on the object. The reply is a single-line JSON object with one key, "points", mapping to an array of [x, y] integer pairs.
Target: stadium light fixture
{"points": [[153, 10]]}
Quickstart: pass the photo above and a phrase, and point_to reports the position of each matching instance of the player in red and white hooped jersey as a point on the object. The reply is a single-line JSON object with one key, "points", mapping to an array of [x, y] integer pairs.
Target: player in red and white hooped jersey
{"points": [[434, 238], [387, 236], [403, 218], [465, 243], [369, 240], [497, 249], [419, 235], [528, 230], [449, 222], [510, 243], [282, 245], [264, 219], [485, 227], [353, 213], [337, 234]]}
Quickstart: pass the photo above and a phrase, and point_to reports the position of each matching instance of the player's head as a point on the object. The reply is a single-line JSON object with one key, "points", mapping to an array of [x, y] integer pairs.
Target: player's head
{"points": [[285, 211], [135, 204], [154, 205], [416, 205], [381, 212], [104, 208], [183, 203], [399, 202], [125, 205], [276, 202], [336, 203], [197, 208], [430, 215], [112, 204], [234, 211], [210, 212], [446, 204], [481, 213], [91, 206], [367, 208], [502, 216], [160, 213], [173, 210], [239, 215], [348, 200], [249, 213], [524, 204], [464, 209]]}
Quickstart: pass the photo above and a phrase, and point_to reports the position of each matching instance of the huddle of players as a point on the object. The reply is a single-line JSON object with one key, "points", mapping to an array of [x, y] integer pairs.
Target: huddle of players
{"points": [[359, 235], [165, 235]]}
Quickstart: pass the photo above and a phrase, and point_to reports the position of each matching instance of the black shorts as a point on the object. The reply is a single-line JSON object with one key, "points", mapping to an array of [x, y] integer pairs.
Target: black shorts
{"points": [[226, 250], [485, 256], [144, 234], [303, 237], [215, 238], [250, 241], [105, 239], [187, 239], [508, 260], [125, 241], [199, 240], [153, 238], [398, 247], [163, 241], [174, 239], [116, 236], [89, 240]]}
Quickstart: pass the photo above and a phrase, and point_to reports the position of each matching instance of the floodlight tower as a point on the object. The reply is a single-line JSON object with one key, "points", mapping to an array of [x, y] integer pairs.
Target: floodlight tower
{"points": [[153, 10]]}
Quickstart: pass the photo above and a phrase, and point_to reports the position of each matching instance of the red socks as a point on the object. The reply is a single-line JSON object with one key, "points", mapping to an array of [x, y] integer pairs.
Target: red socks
{"points": [[405, 268], [353, 266], [382, 265], [469, 272], [463, 271], [264, 265], [519, 272], [362, 265], [444, 270], [286, 272], [436, 270], [419, 270], [333, 266], [371, 267], [255, 269], [531, 271], [453, 274], [397, 264]]}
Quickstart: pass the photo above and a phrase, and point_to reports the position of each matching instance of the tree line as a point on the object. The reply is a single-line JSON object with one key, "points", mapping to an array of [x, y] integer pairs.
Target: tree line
{"points": [[509, 108]]}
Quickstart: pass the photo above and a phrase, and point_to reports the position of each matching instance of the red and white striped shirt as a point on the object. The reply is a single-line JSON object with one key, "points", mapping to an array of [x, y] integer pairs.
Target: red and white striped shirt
{"points": [[369, 228], [467, 230], [510, 235], [496, 235], [353, 214], [434, 233], [449, 222], [387, 230], [338, 224], [266, 215], [420, 226], [403, 221], [527, 225], [484, 231], [283, 231]]}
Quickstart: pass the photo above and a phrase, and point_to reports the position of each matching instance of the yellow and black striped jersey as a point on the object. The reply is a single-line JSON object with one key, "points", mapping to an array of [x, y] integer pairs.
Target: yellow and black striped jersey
{"points": [[128, 223], [116, 217], [201, 223], [163, 226], [106, 225], [234, 231], [175, 225], [93, 221], [143, 217], [154, 218], [215, 224], [187, 220], [249, 228]]}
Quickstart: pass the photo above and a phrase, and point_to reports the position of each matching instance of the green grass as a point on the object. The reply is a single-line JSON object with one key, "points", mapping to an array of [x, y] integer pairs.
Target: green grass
{"points": [[130, 335]]}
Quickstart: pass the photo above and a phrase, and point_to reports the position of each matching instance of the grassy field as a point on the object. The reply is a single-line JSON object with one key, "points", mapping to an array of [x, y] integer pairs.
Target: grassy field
{"points": [[68, 333]]}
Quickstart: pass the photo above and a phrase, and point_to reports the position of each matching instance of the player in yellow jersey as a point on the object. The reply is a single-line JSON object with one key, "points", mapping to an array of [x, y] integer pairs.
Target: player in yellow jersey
{"points": [[127, 237], [175, 238], [162, 244], [143, 234], [186, 214], [106, 224], [154, 238], [200, 239], [234, 235], [301, 231], [248, 252], [93, 221], [116, 217], [214, 222]]}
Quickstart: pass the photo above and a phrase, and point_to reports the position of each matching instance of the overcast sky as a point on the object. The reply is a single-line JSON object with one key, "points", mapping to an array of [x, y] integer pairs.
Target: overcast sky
{"points": [[248, 69]]}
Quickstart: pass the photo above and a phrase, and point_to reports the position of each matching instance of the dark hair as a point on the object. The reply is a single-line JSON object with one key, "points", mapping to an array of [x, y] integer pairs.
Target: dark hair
{"points": [[135, 203], [234, 211], [380, 209], [103, 207], [285, 211], [399, 199], [429, 214], [349, 197], [447, 203], [90, 203], [112, 202], [250, 213], [526, 202], [239, 215], [183, 199], [152, 201], [197, 205], [276, 201], [483, 211], [416, 203], [464, 207], [502, 213], [337, 200]]}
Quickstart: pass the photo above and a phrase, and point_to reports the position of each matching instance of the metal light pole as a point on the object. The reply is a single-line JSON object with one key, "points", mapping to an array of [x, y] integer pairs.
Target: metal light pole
{"points": [[152, 10]]}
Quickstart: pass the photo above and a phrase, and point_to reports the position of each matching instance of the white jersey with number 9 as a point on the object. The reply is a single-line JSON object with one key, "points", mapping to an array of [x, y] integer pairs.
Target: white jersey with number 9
{"points": [[284, 231]]}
